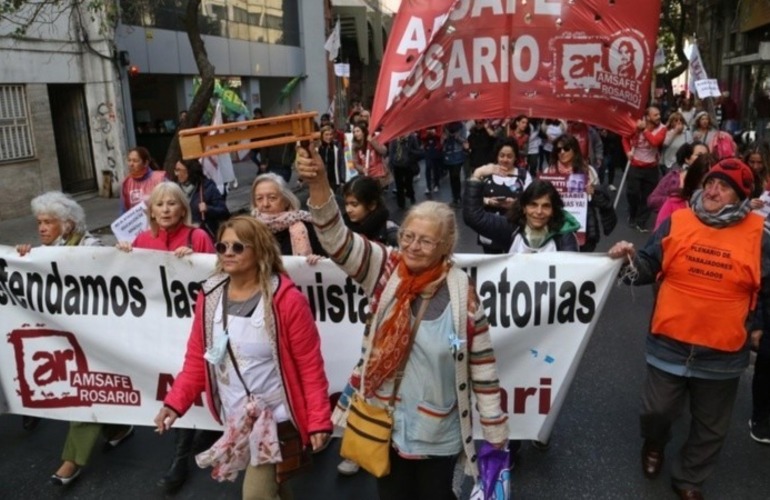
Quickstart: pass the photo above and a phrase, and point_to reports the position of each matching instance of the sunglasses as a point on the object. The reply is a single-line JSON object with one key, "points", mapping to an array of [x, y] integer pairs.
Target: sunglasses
{"points": [[237, 247], [565, 149]]}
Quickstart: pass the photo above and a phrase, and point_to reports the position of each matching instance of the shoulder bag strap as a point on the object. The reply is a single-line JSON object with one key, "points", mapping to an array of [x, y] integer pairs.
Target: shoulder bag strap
{"points": [[229, 347]]}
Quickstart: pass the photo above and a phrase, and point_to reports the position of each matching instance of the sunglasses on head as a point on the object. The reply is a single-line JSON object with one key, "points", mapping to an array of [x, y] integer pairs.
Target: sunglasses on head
{"points": [[565, 149], [237, 247]]}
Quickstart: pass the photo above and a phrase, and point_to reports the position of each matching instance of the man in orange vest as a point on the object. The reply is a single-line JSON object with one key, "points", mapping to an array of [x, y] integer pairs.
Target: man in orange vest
{"points": [[714, 260]]}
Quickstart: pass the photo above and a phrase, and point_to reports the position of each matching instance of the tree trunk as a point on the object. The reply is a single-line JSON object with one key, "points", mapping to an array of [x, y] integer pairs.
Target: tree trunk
{"points": [[677, 28], [205, 90]]}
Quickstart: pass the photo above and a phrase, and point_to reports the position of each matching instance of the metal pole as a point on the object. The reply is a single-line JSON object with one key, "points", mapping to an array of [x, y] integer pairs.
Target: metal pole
{"points": [[622, 185]]}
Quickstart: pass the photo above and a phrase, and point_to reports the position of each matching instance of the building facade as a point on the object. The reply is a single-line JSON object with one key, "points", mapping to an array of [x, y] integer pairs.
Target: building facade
{"points": [[61, 126], [734, 40], [81, 87]]}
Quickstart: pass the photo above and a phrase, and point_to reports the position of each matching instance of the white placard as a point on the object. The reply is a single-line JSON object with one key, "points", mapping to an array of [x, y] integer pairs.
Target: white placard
{"points": [[130, 224], [342, 70], [707, 88]]}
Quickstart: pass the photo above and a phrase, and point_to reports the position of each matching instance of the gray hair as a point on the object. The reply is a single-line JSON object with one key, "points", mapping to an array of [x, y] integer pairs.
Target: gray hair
{"points": [[442, 215], [60, 206], [161, 190], [283, 188]]}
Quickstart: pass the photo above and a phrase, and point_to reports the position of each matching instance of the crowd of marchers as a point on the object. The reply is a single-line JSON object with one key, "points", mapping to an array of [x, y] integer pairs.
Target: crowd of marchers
{"points": [[427, 359]]}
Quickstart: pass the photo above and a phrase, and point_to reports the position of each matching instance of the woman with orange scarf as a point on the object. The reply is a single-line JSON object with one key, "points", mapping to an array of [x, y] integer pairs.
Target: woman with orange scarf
{"points": [[141, 179], [446, 352]]}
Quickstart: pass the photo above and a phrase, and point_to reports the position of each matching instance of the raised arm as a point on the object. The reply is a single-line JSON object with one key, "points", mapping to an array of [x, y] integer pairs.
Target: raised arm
{"points": [[361, 259]]}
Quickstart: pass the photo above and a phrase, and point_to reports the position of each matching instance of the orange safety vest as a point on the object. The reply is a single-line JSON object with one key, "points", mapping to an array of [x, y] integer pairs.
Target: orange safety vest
{"points": [[710, 281]]}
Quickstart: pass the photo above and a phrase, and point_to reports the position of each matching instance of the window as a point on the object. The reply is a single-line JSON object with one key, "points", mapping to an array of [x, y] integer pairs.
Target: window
{"points": [[15, 131]]}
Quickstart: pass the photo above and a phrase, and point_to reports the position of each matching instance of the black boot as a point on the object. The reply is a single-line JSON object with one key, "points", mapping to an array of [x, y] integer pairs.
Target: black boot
{"points": [[177, 473]]}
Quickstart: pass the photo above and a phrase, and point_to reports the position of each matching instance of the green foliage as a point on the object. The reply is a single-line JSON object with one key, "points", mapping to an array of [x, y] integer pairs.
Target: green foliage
{"points": [[24, 13], [676, 22]]}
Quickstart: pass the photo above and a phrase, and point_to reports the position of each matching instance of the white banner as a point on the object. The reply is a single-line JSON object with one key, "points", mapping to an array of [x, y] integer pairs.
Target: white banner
{"points": [[94, 334], [696, 68]]}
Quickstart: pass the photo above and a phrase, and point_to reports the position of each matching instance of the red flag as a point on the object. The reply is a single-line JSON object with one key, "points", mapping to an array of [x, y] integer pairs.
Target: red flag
{"points": [[448, 60]]}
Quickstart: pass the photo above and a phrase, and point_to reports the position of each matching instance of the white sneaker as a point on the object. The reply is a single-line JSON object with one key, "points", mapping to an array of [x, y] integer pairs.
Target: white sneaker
{"points": [[435, 189], [347, 467]]}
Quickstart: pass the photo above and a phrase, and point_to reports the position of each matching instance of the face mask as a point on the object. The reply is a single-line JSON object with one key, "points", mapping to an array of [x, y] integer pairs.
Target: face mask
{"points": [[216, 353]]}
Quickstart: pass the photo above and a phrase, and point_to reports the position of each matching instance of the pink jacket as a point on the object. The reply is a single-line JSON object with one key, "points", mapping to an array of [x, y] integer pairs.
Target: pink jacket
{"points": [[299, 360], [671, 205], [183, 236], [134, 191]]}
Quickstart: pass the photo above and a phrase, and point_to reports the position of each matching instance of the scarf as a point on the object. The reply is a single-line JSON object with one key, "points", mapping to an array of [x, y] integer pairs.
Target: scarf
{"points": [[729, 215], [188, 188], [536, 237], [294, 221], [250, 437], [140, 175], [392, 338], [373, 226]]}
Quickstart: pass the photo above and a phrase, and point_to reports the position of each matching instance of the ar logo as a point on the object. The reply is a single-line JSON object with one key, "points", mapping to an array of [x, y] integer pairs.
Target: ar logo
{"points": [[44, 360], [580, 63]]}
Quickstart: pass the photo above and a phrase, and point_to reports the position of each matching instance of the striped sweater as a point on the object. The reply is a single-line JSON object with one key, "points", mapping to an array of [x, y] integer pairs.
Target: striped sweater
{"points": [[372, 265]]}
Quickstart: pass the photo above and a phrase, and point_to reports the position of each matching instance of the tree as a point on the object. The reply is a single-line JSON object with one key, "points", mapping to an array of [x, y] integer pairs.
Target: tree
{"points": [[676, 21], [23, 14], [206, 88]]}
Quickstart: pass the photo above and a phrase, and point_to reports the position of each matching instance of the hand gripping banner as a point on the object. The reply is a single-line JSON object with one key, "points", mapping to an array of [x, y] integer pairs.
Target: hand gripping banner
{"points": [[448, 60]]}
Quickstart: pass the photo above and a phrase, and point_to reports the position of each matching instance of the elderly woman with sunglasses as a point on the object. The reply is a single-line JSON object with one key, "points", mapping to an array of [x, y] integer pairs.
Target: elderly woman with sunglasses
{"points": [[451, 352], [255, 351]]}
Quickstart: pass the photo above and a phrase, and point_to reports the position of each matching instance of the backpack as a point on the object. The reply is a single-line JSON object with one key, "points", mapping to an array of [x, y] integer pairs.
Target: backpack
{"points": [[454, 154], [722, 146], [432, 148], [400, 156]]}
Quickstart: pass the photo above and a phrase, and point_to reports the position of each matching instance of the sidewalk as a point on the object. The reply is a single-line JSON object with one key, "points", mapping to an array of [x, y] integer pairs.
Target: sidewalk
{"points": [[101, 212]]}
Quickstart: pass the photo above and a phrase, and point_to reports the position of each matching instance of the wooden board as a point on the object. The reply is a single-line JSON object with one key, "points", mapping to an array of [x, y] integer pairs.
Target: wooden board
{"points": [[265, 132]]}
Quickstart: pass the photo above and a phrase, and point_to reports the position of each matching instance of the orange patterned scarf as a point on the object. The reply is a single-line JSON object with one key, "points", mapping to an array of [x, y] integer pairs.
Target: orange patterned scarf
{"points": [[391, 340]]}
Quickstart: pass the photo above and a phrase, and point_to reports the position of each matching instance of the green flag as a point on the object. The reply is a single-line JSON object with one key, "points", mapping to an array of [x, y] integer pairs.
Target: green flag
{"points": [[289, 88]]}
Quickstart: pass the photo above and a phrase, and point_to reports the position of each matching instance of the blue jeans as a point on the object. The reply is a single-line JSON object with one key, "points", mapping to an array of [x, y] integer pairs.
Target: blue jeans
{"points": [[432, 172]]}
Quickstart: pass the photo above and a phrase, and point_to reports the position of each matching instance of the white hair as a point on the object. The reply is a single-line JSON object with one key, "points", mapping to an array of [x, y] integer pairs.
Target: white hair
{"points": [[63, 208]]}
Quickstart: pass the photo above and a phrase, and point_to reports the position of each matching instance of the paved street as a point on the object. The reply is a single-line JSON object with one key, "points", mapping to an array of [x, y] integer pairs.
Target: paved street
{"points": [[595, 445]]}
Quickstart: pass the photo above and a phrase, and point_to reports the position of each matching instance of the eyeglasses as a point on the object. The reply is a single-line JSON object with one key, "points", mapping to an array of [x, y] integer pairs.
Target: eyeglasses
{"points": [[237, 247], [564, 149], [407, 238]]}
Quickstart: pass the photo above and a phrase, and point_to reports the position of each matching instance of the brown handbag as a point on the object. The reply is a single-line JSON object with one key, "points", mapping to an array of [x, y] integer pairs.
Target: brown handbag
{"points": [[295, 458]]}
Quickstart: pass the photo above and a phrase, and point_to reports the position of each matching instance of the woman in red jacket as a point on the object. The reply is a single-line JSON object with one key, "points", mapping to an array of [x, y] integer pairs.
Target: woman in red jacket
{"points": [[171, 230], [255, 351]]}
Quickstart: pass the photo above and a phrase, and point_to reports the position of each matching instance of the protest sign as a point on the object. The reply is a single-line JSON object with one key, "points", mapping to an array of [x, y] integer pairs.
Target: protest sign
{"points": [[130, 224]]}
